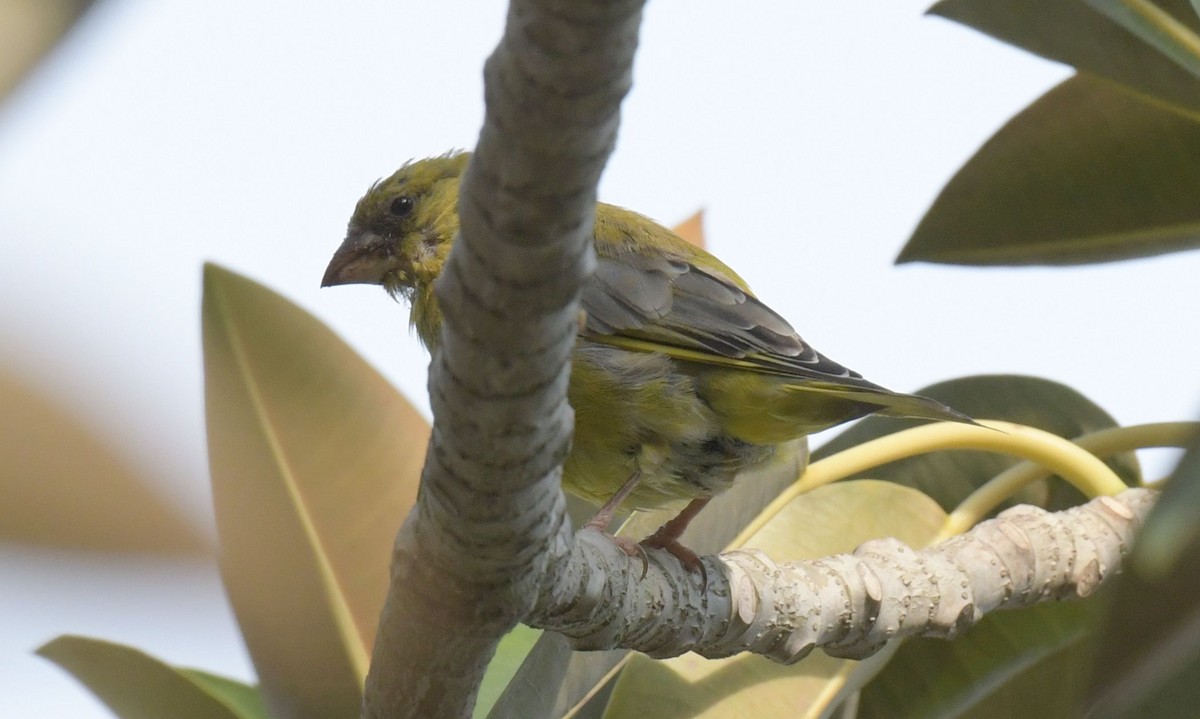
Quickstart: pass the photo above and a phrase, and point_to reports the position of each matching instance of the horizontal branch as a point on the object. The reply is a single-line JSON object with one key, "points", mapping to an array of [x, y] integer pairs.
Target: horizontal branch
{"points": [[848, 604]]}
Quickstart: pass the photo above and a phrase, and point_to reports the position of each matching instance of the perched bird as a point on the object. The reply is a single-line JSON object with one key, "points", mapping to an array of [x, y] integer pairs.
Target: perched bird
{"points": [[681, 378]]}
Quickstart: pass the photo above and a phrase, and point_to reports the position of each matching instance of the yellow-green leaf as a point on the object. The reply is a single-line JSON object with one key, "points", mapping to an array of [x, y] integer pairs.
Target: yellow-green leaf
{"points": [[135, 685], [510, 655], [315, 461]]}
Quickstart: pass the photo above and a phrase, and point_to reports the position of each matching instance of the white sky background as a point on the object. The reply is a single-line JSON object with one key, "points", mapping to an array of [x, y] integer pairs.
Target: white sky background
{"points": [[815, 135]]}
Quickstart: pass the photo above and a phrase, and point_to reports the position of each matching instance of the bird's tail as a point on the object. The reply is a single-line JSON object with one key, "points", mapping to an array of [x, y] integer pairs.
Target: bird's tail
{"points": [[887, 403]]}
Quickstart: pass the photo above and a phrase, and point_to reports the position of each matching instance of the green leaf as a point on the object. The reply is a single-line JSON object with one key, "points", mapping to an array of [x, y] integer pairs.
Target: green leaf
{"points": [[513, 649], [948, 477], [242, 698], [831, 519], [1069, 31], [315, 461], [1148, 663], [555, 680], [1157, 28], [1027, 662], [135, 685], [1088, 173], [1172, 530]]}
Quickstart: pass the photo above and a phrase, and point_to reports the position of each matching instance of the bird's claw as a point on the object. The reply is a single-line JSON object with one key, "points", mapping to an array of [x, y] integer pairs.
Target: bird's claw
{"points": [[633, 549], [689, 559]]}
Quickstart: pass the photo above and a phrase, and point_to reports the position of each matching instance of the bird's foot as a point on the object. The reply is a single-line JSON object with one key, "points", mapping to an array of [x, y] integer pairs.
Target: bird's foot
{"points": [[689, 559], [666, 537], [632, 549]]}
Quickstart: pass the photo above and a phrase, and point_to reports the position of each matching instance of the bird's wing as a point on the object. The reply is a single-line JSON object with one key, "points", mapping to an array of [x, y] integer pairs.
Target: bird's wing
{"points": [[668, 304]]}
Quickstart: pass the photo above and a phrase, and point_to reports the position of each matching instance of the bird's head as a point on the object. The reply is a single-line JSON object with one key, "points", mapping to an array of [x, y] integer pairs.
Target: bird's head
{"points": [[401, 229]]}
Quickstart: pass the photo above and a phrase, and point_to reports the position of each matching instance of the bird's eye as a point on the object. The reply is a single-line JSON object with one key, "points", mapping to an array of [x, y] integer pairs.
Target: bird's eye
{"points": [[401, 206]]}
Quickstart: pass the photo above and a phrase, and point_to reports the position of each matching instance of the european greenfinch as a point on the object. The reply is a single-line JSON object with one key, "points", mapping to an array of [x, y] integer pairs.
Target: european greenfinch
{"points": [[681, 378]]}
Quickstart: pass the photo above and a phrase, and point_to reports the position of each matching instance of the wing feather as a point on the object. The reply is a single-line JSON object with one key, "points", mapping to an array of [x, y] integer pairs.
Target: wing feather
{"points": [[678, 308]]}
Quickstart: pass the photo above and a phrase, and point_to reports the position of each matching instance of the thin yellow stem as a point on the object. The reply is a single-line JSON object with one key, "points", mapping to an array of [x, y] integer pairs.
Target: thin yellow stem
{"points": [[1165, 23], [1076, 465], [1102, 443]]}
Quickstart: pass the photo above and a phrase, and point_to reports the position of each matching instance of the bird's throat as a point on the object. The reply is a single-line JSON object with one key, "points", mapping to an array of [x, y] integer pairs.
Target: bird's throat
{"points": [[426, 316]]}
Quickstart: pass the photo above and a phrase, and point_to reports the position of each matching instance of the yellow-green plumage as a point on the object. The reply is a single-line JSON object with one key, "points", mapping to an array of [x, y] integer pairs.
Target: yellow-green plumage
{"points": [[679, 371]]}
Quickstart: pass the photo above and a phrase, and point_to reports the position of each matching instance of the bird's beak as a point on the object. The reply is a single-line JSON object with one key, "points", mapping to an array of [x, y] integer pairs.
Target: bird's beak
{"points": [[361, 260]]}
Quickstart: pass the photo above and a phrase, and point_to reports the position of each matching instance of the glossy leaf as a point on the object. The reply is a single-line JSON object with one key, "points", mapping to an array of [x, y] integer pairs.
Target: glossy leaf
{"points": [[315, 461], [1071, 32], [1172, 530], [137, 686], [1148, 663], [554, 679], [1157, 28], [244, 699], [829, 520], [510, 655], [1088, 173], [948, 477], [1026, 662]]}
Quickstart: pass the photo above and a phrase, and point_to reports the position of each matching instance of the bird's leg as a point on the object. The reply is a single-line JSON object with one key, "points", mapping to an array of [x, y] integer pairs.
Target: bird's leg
{"points": [[604, 517], [667, 537]]}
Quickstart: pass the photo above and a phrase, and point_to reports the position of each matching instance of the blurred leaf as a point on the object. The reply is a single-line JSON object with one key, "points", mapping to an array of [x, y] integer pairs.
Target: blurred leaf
{"points": [[315, 462], [28, 30], [63, 487], [242, 698], [1175, 694], [1172, 530], [1027, 662], [137, 686], [1148, 662], [1088, 173], [511, 653], [1156, 28], [829, 520], [554, 679], [948, 477], [1071, 32], [692, 229]]}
